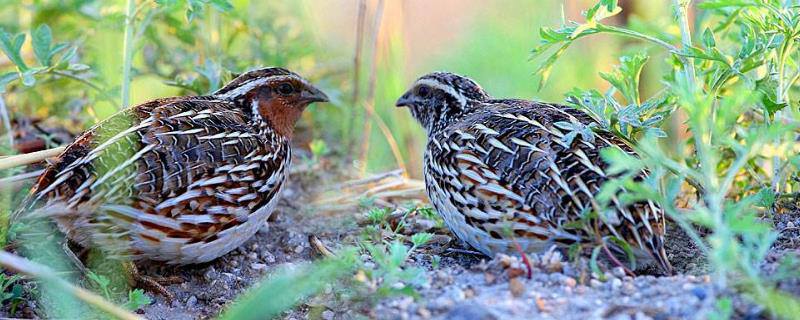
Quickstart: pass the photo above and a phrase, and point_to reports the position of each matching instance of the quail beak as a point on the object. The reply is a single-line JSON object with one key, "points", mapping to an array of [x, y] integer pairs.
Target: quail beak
{"points": [[404, 101], [311, 95]]}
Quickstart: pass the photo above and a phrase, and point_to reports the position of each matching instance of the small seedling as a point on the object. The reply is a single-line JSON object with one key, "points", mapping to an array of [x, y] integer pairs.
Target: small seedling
{"points": [[136, 300], [11, 291], [420, 239], [100, 281], [377, 216]]}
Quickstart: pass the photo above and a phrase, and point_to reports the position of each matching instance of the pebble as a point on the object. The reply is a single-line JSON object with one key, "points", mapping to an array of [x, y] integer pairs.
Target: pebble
{"points": [[258, 266], [328, 315], [570, 282], [470, 311], [628, 288], [252, 256], [790, 224], [615, 283], [442, 303], [581, 289], [516, 286], [618, 272], [422, 225], [268, 257], [211, 274], [594, 283], [191, 302], [700, 293], [424, 312]]}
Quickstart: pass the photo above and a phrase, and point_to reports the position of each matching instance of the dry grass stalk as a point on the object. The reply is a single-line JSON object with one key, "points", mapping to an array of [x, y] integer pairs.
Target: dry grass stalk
{"points": [[28, 158], [382, 188], [20, 177], [369, 103], [27, 267]]}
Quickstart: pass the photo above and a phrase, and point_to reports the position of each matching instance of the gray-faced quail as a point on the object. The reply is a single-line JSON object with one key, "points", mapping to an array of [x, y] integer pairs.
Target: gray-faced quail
{"points": [[502, 174]]}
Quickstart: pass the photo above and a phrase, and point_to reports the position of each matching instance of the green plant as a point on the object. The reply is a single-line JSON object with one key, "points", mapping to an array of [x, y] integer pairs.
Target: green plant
{"points": [[101, 281], [735, 89], [136, 300], [287, 287], [10, 291], [389, 277]]}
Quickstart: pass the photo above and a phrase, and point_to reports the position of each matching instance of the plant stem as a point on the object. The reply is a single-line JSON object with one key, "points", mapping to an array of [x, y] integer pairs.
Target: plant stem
{"points": [[28, 158], [349, 132], [682, 10], [6, 122], [127, 52], [24, 266]]}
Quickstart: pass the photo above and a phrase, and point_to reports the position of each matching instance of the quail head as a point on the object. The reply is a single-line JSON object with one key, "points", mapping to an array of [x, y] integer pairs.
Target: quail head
{"points": [[181, 180], [502, 174]]}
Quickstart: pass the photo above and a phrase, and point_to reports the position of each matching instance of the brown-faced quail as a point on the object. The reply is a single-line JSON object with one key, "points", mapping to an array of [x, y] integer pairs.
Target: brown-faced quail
{"points": [[181, 180]]}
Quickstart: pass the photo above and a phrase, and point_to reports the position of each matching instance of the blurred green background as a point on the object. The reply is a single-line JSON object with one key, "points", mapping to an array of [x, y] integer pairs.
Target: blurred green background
{"points": [[185, 50]]}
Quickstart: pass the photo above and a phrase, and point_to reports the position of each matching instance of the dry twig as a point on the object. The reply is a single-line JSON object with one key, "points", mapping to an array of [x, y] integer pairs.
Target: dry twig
{"points": [[28, 158]]}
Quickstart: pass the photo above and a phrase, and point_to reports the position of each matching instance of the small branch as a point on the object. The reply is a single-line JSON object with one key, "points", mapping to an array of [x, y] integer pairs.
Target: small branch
{"points": [[27, 267], [637, 35], [6, 121], [362, 9], [127, 58], [682, 11], [28, 158]]}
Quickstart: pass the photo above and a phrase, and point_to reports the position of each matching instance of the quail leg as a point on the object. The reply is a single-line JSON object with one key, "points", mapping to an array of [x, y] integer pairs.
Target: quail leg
{"points": [[153, 284]]}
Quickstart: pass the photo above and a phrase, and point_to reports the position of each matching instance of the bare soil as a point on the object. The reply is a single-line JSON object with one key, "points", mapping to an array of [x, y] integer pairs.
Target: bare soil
{"points": [[460, 285]]}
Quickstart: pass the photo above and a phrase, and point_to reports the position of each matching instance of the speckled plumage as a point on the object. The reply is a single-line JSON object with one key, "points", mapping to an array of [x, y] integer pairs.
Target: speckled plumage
{"points": [[181, 180], [501, 171]]}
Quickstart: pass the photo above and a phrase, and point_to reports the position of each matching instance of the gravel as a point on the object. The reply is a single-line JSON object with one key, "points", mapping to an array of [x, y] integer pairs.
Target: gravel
{"points": [[462, 286]]}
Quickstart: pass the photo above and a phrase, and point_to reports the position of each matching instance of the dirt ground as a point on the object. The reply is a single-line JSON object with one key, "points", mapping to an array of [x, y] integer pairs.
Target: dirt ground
{"points": [[463, 285]]}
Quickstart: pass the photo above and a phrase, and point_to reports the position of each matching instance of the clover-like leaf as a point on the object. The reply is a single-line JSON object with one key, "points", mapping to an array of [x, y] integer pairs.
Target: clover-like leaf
{"points": [[11, 45], [42, 40]]}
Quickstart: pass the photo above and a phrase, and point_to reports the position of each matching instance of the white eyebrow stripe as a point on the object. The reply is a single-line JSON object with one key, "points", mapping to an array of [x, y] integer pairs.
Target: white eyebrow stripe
{"points": [[462, 100], [252, 84]]}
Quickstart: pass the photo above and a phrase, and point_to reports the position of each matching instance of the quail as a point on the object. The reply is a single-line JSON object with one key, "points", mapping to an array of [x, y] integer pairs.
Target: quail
{"points": [[505, 175], [182, 180]]}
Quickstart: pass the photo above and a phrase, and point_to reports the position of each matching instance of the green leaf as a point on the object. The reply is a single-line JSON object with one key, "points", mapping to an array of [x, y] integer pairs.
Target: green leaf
{"points": [[221, 5], [287, 287], [136, 300], [768, 88], [11, 45], [602, 10], [593, 264], [625, 77], [708, 38], [626, 247], [6, 79], [42, 39], [420, 239]]}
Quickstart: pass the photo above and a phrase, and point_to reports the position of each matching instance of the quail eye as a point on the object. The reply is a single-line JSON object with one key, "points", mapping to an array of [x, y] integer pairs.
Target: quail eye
{"points": [[285, 89], [424, 91]]}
